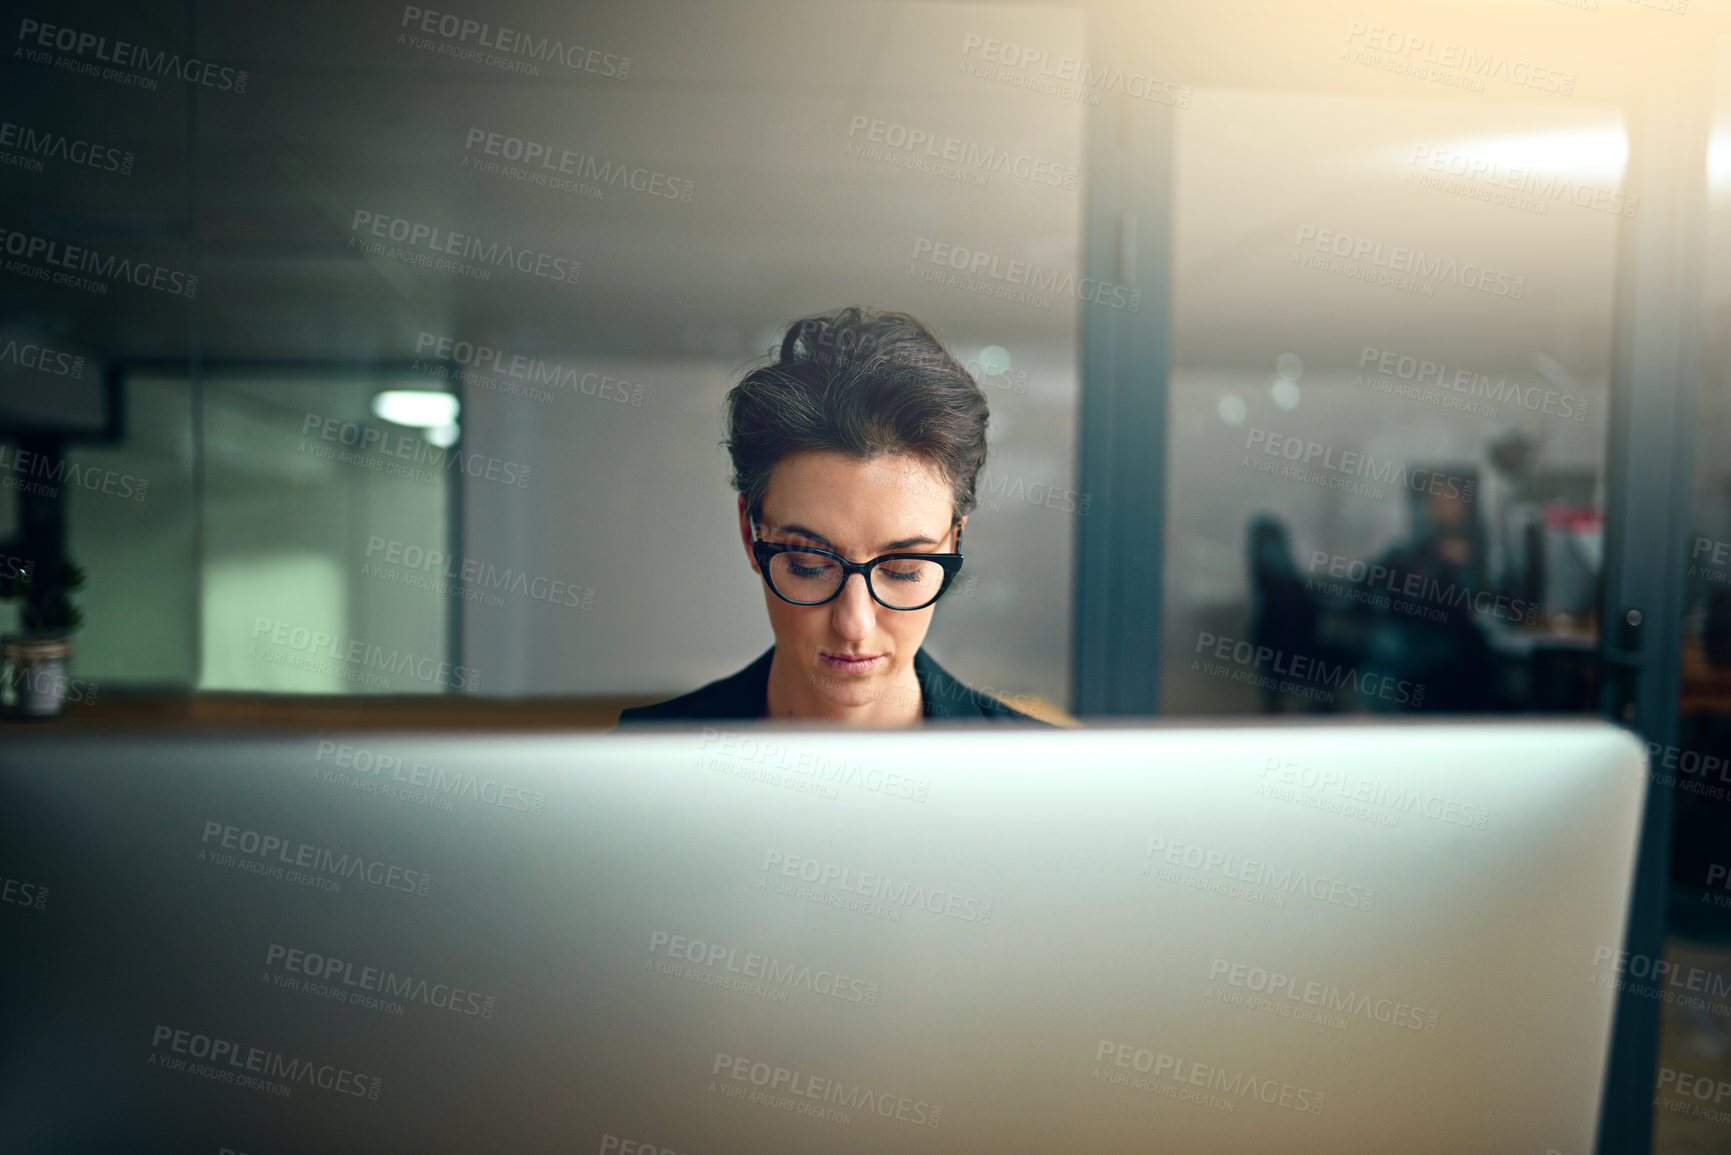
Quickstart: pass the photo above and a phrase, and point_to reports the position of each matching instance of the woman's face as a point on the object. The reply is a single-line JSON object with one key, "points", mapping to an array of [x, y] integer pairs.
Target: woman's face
{"points": [[851, 651]]}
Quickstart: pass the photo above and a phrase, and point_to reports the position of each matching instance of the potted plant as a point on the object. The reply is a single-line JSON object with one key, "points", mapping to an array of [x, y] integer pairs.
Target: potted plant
{"points": [[35, 656]]}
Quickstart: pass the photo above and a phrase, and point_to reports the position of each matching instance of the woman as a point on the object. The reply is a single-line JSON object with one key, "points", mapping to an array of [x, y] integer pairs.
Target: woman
{"points": [[855, 457]]}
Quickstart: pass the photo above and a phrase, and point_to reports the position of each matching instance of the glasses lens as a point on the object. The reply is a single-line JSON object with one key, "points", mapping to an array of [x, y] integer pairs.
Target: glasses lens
{"points": [[907, 584], [804, 577]]}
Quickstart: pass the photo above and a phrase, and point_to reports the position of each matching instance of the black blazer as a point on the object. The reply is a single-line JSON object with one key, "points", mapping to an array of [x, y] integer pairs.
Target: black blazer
{"points": [[746, 695]]}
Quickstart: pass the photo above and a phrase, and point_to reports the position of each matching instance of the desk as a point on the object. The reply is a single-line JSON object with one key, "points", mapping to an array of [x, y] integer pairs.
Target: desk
{"points": [[1703, 688], [418, 712]]}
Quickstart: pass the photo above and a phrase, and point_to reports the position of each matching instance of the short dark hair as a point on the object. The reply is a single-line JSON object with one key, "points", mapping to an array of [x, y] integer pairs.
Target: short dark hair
{"points": [[862, 383]]}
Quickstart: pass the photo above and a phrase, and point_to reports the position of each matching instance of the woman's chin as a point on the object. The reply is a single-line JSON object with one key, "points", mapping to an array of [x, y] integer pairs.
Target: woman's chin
{"points": [[842, 690], [847, 692]]}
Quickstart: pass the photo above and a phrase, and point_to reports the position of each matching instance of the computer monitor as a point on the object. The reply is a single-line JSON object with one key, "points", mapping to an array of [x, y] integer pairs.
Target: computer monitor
{"points": [[1255, 938]]}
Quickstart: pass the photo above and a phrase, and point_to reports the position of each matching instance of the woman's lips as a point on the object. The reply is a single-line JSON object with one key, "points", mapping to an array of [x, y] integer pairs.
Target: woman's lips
{"points": [[857, 664]]}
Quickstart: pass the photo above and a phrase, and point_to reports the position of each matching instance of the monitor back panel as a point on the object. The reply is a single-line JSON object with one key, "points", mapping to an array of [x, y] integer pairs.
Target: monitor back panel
{"points": [[1270, 939]]}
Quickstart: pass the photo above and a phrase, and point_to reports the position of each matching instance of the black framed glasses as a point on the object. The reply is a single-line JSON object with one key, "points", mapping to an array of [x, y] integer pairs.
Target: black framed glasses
{"points": [[808, 576]]}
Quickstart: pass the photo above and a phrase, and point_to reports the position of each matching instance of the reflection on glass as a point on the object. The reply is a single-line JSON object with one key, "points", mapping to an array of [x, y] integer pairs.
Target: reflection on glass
{"points": [[1388, 404]]}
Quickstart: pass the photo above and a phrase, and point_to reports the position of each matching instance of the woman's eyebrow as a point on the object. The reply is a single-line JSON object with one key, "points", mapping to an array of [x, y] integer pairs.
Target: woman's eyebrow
{"points": [[826, 543]]}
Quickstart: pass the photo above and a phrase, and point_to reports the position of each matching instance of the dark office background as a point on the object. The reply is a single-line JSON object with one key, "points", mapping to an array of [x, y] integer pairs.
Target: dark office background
{"points": [[1343, 358]]}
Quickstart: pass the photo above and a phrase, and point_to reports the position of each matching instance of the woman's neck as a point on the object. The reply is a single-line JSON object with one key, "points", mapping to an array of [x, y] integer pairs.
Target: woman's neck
{"points": [[790, 696]]}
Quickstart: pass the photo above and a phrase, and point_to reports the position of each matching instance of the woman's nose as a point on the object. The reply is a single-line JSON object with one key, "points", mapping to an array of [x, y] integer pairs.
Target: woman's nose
{"points": [[854, 613]]}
